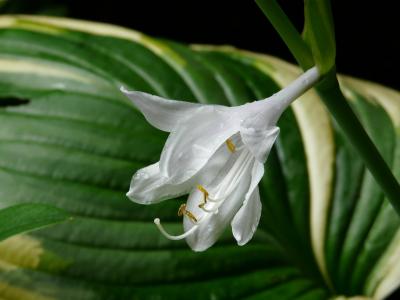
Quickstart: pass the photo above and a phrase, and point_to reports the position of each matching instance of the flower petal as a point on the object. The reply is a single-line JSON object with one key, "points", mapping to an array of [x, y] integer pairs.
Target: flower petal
{"points": [[212, 225], [161, 113], [259, 141], [257, 173], [245, 222], [210, 229], [189, 148], [148, 186]]}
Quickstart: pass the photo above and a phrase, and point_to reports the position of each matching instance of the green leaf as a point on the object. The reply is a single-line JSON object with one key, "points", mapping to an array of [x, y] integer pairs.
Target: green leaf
{"points": [[26, 217], [69, 138]]}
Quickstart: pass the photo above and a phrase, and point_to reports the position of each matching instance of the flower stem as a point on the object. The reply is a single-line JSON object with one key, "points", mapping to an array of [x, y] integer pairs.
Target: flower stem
{"points": [[287, 32], [333, 98], [329, 91]]}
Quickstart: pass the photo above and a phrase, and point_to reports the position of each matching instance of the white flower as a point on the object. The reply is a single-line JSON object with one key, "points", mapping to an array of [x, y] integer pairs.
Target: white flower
{"points": [[215, 154]]}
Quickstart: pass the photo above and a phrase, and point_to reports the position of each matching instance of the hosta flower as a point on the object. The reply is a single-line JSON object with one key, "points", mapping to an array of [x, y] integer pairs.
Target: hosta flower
{"points": [[215, 154]]}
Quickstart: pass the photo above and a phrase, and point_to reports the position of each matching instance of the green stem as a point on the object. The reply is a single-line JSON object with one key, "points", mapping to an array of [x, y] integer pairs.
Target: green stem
{"points": [[287, 32], [329, 91], [334, 100]]}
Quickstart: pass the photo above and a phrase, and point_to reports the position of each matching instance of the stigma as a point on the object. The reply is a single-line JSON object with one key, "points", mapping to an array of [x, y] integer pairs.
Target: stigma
{"points": [[181, 211]]}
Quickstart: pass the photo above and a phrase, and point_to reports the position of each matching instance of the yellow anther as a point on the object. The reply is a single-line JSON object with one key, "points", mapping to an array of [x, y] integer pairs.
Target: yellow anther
{"points": [[183, 211], [231, 146], [205, 195]]}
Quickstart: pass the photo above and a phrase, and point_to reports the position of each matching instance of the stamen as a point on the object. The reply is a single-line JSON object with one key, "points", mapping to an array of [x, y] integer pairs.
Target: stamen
{"points": [[231, 146], [174, 237], [205, 195], [215, 199], [243, 161], [215, 210], [183, 211]]}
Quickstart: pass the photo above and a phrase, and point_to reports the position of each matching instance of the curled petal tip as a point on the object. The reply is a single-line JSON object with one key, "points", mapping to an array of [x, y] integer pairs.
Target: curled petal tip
{"points": [[157, 221], [130, 195], [125, 91]]}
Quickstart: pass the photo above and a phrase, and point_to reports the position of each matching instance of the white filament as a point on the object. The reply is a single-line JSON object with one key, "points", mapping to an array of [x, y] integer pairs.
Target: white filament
{"points": [[231, 180], [214, 210]]}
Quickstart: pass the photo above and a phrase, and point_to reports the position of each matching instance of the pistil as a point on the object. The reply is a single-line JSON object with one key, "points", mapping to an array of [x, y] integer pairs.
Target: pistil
{"points": [[174, 237]]}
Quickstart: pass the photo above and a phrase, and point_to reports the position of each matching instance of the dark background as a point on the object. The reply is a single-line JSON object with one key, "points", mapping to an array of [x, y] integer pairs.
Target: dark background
{"points": [[367, 32]]}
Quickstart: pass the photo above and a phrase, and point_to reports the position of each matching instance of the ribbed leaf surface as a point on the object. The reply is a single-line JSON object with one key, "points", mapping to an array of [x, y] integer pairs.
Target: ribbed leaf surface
{"points": [[69, 138]]}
